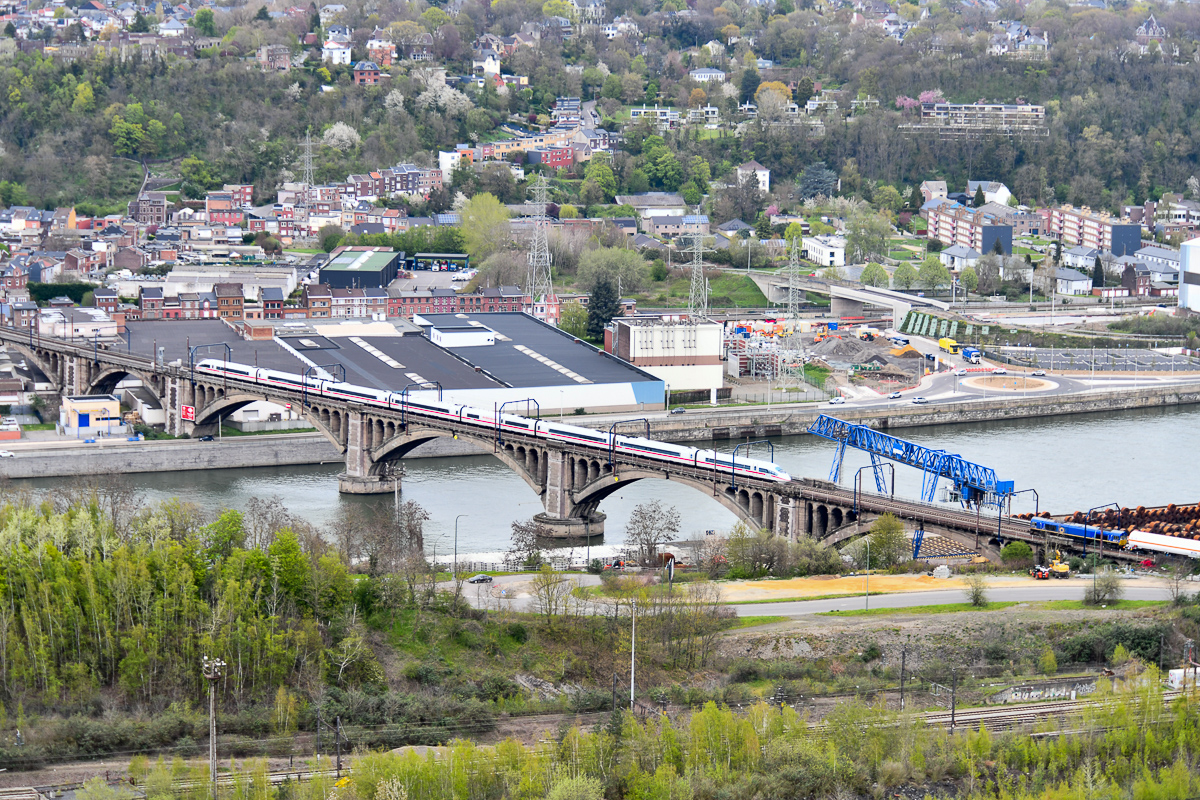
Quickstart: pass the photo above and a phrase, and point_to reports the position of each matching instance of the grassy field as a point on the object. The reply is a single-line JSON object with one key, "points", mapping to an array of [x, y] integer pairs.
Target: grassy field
{"points": [[947, 608], [752, 622], [1119, 605], [227, 431], [725, 290]]}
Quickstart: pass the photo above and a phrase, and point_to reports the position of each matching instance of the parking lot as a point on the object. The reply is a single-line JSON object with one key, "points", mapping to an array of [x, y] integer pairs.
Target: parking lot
{"points": [[1102, 359]]}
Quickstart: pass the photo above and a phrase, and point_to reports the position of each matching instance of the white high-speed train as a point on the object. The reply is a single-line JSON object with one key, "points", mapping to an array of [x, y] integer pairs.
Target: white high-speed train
{"points": [[556, 431]]}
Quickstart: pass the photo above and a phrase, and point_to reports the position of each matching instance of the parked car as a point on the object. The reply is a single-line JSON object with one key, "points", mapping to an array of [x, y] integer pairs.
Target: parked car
{"points": [[678, 410], [894, 396], [480, 578], [7, 454], [837, 401], [920, 401], [960, 372], [209, 438], [1038, 373], [999, 371]]}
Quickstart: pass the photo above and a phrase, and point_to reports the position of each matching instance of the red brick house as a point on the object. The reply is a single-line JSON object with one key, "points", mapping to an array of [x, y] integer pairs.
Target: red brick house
{"points": [[366, 73]]}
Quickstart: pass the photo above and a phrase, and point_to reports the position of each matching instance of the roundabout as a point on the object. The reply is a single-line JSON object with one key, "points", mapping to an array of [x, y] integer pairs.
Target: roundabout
{"points": [[1010, 383]]}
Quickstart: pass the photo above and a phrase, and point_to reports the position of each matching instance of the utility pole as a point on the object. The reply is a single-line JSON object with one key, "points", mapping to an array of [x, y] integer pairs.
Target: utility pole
{"points": [[337, 739], [903, 658], [632, 650], [211, 669], [953, 695], [318, 750]]}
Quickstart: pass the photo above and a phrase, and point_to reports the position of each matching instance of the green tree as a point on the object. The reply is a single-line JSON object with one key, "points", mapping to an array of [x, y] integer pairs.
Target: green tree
{"points": [[262, 15], [792, 232], [140, 24], [817, 181], [905, 276], [691, 195], [1047, 663], [866, 236], [1016, 554], [485, 225], [762, 227], [612, 88], [602, 307], [1098, 274], [749, 85], [889, 544], [599, 170], [874, 275], [330, 237], [290, 566], [887, 197], [803, 91], [205, 23], [667, 171], [10, 31], [969, 279], [434, 18], [573, 318], [979, 198], [624, 268], [932, 273], [85, 98]]}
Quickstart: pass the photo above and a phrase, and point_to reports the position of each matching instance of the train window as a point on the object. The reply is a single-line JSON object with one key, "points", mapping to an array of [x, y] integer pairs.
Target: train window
{"points": [[238, 371], [282, 379], [473, 416]]}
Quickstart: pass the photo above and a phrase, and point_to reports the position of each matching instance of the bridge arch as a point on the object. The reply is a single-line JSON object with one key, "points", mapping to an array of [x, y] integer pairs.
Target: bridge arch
{"points": [[213, 402], [106, 382], [740, 501], [404, 441]]}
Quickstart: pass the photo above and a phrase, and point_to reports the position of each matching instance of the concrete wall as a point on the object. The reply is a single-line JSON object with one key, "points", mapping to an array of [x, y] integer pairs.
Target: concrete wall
{"points": [[161, 456], [699, 426], [119, 457]]}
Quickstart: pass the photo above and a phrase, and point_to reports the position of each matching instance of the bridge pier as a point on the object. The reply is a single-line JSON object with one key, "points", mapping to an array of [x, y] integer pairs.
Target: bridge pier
{"points": [[360, 476], [573, 528], [845, 307], [557, 472]]}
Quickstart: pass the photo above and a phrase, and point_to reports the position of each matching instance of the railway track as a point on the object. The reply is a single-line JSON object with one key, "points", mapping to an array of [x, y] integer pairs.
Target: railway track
{"points": [[1013, 716]]}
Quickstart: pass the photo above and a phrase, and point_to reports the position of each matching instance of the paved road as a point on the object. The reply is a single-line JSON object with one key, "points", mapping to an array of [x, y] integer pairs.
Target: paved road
{"points": [[1071, 589]]}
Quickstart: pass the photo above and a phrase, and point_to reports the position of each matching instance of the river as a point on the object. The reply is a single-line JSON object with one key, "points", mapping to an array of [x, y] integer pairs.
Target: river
{"points": [[1131, 458]]}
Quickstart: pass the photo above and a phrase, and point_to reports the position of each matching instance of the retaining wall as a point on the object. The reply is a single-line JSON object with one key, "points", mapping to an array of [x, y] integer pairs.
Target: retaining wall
{"points": [[699, 425]]}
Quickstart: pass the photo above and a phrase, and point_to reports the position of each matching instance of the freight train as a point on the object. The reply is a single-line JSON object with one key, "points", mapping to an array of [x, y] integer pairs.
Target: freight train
{"points": [[1133, 539], [602, 441]]}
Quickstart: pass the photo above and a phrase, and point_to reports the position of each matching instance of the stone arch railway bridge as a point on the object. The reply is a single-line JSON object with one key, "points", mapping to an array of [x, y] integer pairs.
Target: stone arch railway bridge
{"points": [[570, 480]]}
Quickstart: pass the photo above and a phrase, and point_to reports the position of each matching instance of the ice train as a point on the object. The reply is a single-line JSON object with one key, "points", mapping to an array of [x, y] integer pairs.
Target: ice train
{"points": [[722, 463]]}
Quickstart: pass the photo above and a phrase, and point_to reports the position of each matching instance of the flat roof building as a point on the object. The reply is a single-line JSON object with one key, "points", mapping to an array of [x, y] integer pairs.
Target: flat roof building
{"points": [[371, 268]]}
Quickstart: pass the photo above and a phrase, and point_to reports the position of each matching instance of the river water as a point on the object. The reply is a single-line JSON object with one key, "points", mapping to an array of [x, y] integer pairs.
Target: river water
{"points": [[1130, 457]]}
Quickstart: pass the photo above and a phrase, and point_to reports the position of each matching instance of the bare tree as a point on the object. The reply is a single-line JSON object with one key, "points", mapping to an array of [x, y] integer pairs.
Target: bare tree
{"points": [[527, 536], [651, 525], [263, 519], [551, 591]]}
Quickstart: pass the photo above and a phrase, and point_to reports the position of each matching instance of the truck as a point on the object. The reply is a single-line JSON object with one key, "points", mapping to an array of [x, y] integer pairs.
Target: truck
{"points": [[971, 355], [948, 345]]}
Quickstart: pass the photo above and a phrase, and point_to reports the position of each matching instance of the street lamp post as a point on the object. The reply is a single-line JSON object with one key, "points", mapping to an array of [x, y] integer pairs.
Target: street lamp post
{"points": [[867, 590], [211, 669], [456, 519], [632, 650]]}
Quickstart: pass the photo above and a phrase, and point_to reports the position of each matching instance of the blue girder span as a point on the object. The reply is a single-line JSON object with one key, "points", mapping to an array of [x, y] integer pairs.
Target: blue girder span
{"points": [[974, 482]]}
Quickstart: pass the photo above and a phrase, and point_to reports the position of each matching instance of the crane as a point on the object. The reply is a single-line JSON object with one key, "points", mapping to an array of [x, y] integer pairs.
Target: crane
{"points": [[974, 483]]}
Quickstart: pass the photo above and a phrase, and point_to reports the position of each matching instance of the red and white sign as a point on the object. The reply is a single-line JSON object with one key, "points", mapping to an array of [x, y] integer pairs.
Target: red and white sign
{"points": [[188, 413], [289, 406]]}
